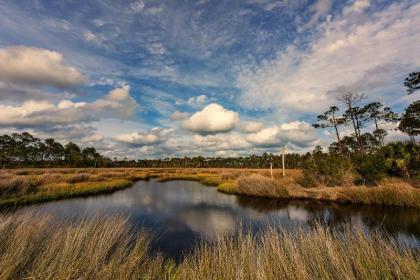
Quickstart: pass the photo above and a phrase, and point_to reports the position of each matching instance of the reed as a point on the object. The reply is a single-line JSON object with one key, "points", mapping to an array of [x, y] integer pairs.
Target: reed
{"points": [[319, 253], [34, 247]]}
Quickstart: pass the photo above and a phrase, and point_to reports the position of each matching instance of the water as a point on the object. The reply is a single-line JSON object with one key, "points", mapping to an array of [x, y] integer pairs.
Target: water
{"points": [[181, 213]]}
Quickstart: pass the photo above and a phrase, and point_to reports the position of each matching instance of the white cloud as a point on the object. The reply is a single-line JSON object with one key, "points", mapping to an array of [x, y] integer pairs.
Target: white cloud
{"points": [[251, 126], [357, 6], [116, 104], [298, 133], [231, 141], [26, 65], [197, 101], [346, 50], [154, 136], [212, 119]]}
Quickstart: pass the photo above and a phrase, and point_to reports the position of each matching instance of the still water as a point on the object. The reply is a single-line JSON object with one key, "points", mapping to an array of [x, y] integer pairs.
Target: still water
{"points": [[181, 213]]}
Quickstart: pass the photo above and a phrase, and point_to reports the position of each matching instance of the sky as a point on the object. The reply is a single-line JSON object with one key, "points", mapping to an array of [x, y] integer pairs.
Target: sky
{"points": [[156, 79]]}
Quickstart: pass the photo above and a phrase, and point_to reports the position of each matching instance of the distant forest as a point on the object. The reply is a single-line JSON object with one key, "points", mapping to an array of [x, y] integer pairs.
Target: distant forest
{"points": [[24, 150]]}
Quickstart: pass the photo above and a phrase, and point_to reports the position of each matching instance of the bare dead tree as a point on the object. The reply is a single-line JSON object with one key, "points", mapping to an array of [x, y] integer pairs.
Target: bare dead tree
{"points": [[353, 113]]}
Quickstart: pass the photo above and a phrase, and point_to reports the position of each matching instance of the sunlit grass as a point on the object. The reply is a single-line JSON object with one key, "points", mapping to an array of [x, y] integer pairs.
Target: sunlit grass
{"points": [[391, 192], [319, 253], [31, 248]]}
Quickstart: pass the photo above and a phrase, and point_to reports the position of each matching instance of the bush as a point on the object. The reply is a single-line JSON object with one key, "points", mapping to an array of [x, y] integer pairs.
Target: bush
{"points": [[371, 168], [322, 169]]}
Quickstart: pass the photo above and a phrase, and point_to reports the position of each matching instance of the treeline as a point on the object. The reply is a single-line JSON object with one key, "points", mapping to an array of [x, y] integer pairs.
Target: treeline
{"points": [[362, 157], [24, 150], [292, 160]]}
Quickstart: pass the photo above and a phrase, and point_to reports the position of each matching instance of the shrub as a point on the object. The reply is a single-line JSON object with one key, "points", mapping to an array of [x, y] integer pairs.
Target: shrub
{"points": [[371, 168], [329, 170]]}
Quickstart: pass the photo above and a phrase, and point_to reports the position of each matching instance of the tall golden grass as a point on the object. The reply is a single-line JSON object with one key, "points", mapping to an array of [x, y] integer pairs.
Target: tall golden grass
{"points": [[259, 185], [391, 192], [32, 247], [319, 253]]}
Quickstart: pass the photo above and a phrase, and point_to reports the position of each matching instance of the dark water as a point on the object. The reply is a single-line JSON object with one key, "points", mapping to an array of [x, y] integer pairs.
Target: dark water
{"points": [[180, 213]]}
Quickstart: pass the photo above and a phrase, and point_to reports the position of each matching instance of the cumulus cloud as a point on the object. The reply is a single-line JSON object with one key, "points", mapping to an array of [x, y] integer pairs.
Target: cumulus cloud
{"points": [[20, 93], [154, 136], [298, 133], [251, 126], [231, 141], [179, 116], [116, 104], [35, 66], [212, 119], [346, 50]]}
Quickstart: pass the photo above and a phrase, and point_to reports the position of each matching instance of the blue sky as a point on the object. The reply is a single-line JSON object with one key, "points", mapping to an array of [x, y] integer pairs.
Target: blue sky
{"points": [[144, 78]]}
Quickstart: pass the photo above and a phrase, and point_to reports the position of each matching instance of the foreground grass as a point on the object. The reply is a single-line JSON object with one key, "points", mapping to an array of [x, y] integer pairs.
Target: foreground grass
{"points": [[32, 248], [103, 248], [18, 187]]}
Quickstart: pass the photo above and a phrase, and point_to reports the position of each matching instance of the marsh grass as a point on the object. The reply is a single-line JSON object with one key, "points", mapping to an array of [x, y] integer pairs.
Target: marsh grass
{"points": [[33, 247], [319, 253], [259, 185], [11, 186], [391, 192], [62, 190], [39, 185]]}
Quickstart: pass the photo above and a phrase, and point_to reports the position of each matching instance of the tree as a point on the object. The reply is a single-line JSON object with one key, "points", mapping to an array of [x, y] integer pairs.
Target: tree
{"points": [[328, 119], [410, 121], [353, 113], [412, 82], [7, 145], [54, 150], [72, 154], [375, 113], [90, 156]]}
